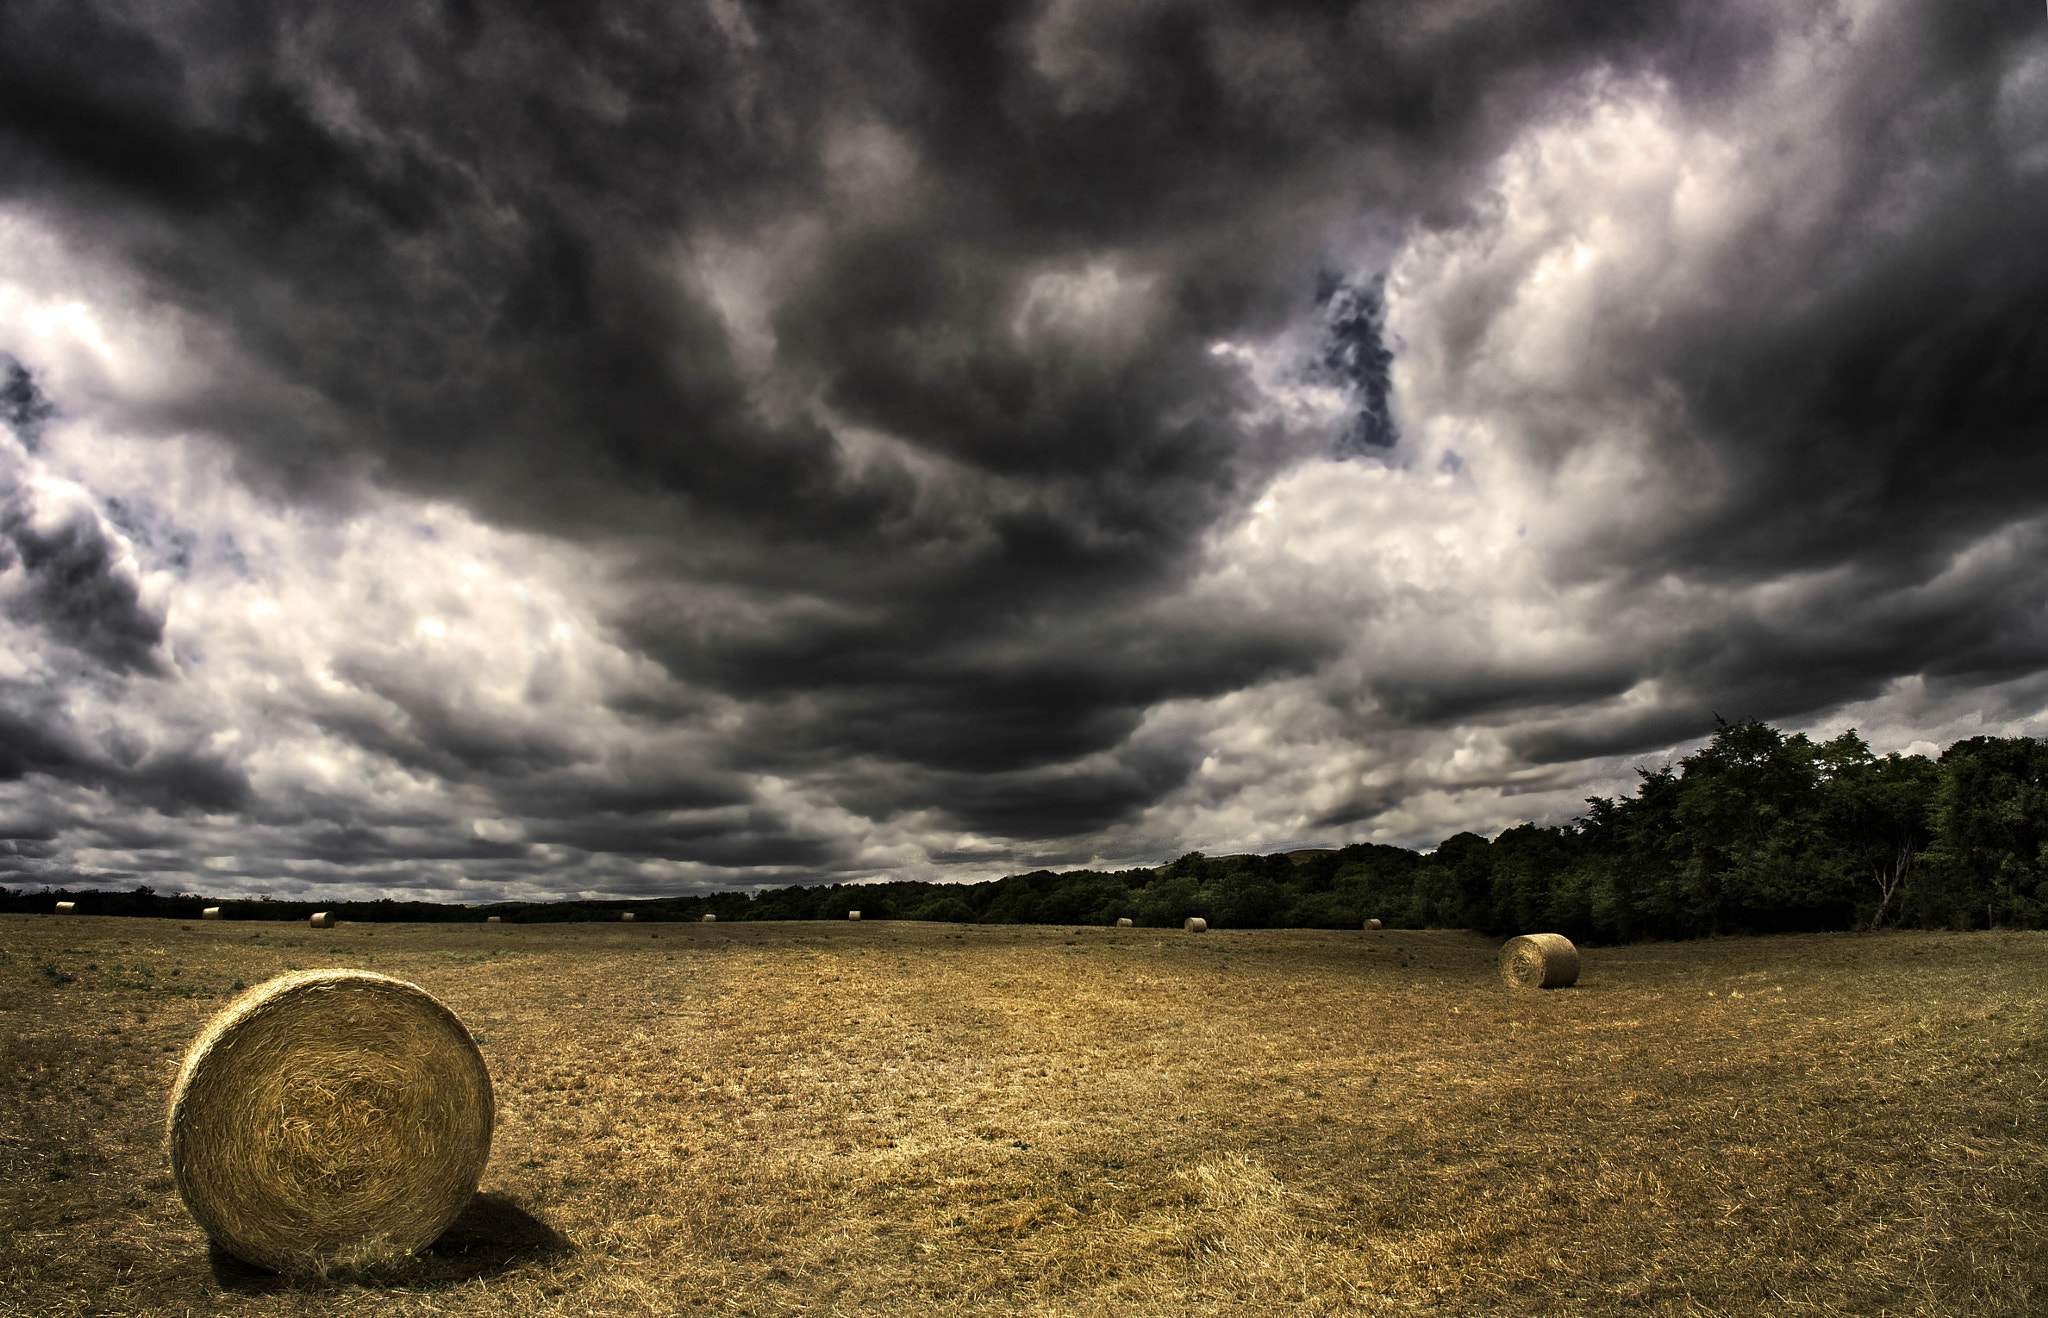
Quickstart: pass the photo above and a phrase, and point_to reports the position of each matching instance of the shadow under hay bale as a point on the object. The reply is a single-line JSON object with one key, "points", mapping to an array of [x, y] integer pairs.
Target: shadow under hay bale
{"points": [[330, 1117], [1539, 961], [494, 1234]]}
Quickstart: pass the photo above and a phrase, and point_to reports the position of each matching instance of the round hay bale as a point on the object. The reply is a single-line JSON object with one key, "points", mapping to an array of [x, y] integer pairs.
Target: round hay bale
{"points": [[67, 908], [322, 920], [492, 919], [626, 917], [1539, 961], [1123, 922], [1372, 924], [329, 1111], [210, 913], [1195, 924], [708, 919], [853, 915]]}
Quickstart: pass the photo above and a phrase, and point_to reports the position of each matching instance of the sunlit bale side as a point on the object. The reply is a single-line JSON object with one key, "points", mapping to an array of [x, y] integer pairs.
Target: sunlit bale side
{"points": [[329, 1115], [1539, 961]]}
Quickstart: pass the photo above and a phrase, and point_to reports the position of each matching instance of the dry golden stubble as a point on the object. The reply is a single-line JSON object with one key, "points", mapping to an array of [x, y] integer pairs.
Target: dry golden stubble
{"points": [[1539, 961], [327, 1113]]}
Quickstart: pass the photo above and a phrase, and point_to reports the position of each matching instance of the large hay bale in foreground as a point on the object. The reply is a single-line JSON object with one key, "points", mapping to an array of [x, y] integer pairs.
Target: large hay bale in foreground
{"points": [[322, 920], [1539, 961], [67, 908], [1195, 924], [328, 1113], [1123, 922], [210, 913], [853, 915]]}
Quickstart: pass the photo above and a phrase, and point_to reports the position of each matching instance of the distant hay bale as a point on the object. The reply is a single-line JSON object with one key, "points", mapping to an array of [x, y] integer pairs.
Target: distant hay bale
{"points": [[322, 920], [708, 919], [328, 1112], [1195, 924], [492, 919], [1372, 924], [67, 908], [1539, 961], [210, 913], [853, 915], [625, 917], [1123, 922]]}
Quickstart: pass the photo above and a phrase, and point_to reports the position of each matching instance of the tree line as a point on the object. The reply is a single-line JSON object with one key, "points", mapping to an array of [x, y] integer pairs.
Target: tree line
{"points": [[1757, 832]]}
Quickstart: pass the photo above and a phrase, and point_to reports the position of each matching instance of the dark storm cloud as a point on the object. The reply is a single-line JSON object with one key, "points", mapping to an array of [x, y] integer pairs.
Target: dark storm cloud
{"points": [[78, 588], [963, 423], [456, 228], [37, 739], [1357, 357], [23, 408]]}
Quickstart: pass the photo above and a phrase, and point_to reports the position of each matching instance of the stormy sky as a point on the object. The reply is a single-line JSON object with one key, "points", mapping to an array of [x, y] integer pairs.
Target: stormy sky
{"points": [[478, 450]]}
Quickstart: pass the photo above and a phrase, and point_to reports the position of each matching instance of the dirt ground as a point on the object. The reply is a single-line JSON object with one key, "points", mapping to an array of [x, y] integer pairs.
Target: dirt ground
{"points": [[895, 1118]]}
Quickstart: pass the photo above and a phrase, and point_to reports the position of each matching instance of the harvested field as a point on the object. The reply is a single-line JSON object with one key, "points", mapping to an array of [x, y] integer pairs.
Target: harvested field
{"points": [[890, 1118]]}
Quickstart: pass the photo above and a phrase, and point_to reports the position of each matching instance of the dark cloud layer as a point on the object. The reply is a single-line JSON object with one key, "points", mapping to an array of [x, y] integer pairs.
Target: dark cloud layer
{"points": [[880, 343]]}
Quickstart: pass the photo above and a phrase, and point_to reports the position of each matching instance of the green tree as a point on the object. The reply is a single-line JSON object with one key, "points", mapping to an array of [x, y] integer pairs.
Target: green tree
{"points": [[1990, 824], [1877, 816]]}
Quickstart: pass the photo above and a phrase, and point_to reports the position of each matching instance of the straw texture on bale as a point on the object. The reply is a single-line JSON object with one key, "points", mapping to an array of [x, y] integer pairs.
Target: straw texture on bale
{"points": [[626, 917], [853, 915], [1372, 924], [322, 920], [1196, 925], [1123, 922], [210, 913], [1539, 961], [66, 908], [492, 919], [328, 1111]]}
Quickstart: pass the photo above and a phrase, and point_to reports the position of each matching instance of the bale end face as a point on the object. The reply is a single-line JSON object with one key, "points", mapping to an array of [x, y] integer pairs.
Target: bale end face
{"points": [[853, 915], [210, 913], [1195, 924], [322, 920], [327, 1112], [1539, 961], [1124, 922], [67, 908]]}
